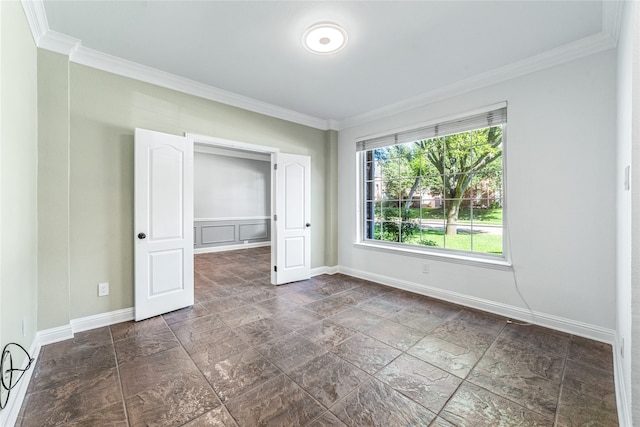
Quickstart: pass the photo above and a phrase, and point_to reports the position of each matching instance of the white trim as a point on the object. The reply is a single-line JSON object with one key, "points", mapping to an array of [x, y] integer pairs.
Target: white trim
{"points": [[234, 218], [229, 143], [9, 415], [103, 319], [102, 61], [562, 54], [37, 19], [547, 320], [50, 40], [52, 335], [496, 263], [230, 248], [251, 155], [612, 11], [59, 43], [318, 271], [622, 400]]}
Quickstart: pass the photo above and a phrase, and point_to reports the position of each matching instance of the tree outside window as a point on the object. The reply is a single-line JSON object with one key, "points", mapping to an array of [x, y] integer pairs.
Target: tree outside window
{"points": [[444, 191]]}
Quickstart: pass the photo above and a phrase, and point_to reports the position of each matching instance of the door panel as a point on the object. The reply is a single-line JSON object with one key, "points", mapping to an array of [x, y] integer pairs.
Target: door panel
{"points": [[163, 241], [165, 192], [165, 270], [292, 227]]}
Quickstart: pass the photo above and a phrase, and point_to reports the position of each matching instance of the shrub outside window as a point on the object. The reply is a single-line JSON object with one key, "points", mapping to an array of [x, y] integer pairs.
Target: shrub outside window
{"points": [[438, 187]]}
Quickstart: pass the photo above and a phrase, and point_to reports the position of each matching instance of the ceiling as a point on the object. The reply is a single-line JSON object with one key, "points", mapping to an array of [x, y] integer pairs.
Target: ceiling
{"points": [[397, 51]]}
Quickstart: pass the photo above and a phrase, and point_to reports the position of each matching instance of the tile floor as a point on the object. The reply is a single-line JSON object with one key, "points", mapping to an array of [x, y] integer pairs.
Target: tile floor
{"points": [[330, 351]]}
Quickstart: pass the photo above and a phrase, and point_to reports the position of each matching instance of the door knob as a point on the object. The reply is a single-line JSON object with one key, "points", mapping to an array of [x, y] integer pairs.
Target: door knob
{"points": [[141, 236], [308, 224]]}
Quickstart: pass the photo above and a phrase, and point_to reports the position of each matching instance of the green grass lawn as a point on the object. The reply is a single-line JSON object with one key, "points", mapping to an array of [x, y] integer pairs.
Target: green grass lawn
{"points": [[480, 242], [480, 215], [486, 243]]}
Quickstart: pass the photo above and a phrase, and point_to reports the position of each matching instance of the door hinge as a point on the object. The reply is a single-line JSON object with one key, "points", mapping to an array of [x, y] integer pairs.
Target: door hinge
{"points": [[275, 268], [275, 166], [275, 217]]}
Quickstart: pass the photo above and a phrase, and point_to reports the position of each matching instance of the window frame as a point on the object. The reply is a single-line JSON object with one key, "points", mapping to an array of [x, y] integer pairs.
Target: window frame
{"points": [[495, 261]]}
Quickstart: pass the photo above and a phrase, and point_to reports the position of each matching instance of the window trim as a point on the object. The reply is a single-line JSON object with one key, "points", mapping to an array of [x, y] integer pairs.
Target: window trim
{"points": [[495, 261]]}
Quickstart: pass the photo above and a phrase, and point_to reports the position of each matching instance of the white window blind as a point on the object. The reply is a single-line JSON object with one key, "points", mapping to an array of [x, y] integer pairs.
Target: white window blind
{"points": [[477, 121]]}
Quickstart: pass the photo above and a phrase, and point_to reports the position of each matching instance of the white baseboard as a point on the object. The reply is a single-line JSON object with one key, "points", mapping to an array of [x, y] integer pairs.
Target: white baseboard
{"points": [[550, 321], [9, 414], [623, 401], [323, 270], [597, 333], [49, 336], [102, 319], [230, 248]]}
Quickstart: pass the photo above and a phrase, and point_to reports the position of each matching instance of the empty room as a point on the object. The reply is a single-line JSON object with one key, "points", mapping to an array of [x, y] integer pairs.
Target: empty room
{"points": [[310, 213]]}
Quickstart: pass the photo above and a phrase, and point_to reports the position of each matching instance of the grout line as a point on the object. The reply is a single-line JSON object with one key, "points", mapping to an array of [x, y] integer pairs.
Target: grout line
{"points": [[115, 354], [367, 376], [198, 368], [464, 380], [560, 389]]}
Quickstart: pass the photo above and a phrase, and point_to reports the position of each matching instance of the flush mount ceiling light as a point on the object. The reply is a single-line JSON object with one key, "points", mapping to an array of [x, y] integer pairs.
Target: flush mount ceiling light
{"points": [[324, 38]]}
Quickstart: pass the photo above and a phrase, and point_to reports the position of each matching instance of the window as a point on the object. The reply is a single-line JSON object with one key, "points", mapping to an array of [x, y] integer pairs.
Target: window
{"points": [[439, 188]]}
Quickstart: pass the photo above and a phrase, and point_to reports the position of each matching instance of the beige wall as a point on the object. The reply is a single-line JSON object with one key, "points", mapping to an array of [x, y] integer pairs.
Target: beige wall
{"points": [[331, 210], [53, 189], [104, 111], [18, 178]]}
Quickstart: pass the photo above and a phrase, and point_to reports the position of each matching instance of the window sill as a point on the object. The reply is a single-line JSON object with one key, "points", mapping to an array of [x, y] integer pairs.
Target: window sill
{"points": [[476, 261]]}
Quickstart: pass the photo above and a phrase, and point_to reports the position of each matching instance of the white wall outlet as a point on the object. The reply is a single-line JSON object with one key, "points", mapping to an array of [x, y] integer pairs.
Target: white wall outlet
{"points": [[246, 242], [622, 346], [425, 268], [103, 289]]}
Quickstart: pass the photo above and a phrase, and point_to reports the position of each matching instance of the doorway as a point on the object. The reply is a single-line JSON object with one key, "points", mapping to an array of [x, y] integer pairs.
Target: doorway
{"points": [[163, 217], [232, 199], [290, 199]]}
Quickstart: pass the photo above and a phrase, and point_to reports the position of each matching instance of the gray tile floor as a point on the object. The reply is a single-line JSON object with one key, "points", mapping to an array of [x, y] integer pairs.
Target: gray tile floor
{"points": [[330, 351]]}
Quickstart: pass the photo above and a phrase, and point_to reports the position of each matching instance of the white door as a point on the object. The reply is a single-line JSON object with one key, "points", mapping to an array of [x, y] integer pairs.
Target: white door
{"points": [[292, 223], [163, 223]]}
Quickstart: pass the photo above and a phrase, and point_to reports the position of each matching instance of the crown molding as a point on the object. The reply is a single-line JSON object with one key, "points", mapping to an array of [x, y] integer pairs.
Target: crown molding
{"points": [[612, 11], [72, 47], [59, 43], [102, 61], [37, 18], [565, 53]]}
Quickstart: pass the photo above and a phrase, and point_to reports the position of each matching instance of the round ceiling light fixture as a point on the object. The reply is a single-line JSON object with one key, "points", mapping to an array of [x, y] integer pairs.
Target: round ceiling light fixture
{"points": [[324, 38]]}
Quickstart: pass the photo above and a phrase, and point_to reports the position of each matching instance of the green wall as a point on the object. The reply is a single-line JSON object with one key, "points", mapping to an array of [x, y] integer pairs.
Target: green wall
{"points": [[104, 111], [331, 198], [18, 178], [67, 177], [53, 189]]}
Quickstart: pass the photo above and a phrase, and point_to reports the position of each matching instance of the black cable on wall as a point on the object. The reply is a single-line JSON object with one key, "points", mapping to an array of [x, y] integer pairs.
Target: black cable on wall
{"points": [[7, 380]]}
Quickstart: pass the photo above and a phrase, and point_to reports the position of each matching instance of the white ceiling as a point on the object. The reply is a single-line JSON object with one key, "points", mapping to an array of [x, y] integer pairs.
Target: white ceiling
{"points": [[397, 50]]}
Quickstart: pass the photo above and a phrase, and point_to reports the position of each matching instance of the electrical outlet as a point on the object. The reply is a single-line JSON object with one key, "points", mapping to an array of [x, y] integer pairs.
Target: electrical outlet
{"points": [[425, 268], [622, 346], [103, 289]]}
